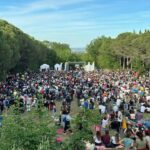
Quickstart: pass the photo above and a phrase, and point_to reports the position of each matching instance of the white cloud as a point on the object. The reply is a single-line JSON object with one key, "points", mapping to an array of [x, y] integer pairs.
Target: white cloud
{"points": [[39, 6], [56, 19]]}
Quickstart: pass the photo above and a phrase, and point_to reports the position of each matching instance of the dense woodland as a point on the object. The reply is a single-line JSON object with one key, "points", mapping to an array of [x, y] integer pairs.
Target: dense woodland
{"points": [[20, 52]]}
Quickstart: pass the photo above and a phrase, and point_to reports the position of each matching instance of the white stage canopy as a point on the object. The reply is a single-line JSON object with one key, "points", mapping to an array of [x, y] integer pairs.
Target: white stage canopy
{"points": [[44, 67], [58, 67]]}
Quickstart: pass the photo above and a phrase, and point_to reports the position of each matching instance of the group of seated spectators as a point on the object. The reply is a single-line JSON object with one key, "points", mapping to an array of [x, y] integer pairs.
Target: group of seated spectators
{"points": [[121, 97], [139, 140]]}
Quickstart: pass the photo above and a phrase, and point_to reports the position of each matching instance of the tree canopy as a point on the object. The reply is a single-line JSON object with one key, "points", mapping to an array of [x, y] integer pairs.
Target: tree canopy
{"points": [[21, 52], [62, 50], [126, 51]]}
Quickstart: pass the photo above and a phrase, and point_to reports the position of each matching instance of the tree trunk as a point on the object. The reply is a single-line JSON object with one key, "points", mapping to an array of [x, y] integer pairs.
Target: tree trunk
{"points": [[120, 62], [143, 63], [131, 64], [123, 63], [127, 62]]}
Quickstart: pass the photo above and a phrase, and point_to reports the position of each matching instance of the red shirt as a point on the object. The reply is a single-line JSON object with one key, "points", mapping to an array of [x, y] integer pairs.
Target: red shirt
{"points": [[106, 139]]}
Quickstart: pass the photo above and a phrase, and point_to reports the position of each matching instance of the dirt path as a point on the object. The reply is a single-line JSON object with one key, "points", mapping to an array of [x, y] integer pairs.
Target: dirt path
{"points": [[74, 107]]}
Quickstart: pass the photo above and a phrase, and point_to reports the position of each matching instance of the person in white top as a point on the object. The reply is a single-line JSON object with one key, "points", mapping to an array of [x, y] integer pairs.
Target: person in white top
{"points": [[97, 139], [142, 108], [148, 109], [120, 117], [102, 108], [115, 140], [147, 138], [118, 102], [115, 108], [105, 99], [29, 103], [105, 123], [132, 116], [148, 98]]}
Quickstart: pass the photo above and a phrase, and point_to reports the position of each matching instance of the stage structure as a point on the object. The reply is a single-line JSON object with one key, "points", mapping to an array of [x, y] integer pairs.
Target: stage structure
{"points": [[74, 65], [79, 65]]}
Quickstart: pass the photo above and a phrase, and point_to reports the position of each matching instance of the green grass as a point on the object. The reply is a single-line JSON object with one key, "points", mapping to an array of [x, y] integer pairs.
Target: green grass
{"points": [[147, 116]]}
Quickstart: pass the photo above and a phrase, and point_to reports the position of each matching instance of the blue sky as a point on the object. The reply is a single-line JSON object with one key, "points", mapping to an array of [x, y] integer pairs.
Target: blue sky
{"points": [[76, 22]]}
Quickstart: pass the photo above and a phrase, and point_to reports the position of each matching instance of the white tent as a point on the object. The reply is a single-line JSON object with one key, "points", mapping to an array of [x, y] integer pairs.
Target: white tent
{"points": [[44, 67], [89, 67], [58, 67]]}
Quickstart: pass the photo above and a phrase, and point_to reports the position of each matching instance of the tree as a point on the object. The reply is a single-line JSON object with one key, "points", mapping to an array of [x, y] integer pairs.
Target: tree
{"points": [[28, 132], [62, 50], [142, 49], [122, 47], [19, 51], [87, 121], [100, 51]]}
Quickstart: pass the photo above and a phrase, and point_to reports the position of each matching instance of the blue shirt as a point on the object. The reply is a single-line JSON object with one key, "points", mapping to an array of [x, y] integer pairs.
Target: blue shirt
{"points": [[128, 143]]}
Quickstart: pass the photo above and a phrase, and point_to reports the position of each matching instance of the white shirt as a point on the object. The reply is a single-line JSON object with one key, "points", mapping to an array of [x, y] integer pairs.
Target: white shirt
{"points": [[102, 108], [115, 108], [29, 101], [143, 109], [132, 116], [113, 140], [147, 138], [118, 102], [68, 118], [148, 98], [104, 123], [148, 109], [120, 116], [104, 99], [97, 140]]}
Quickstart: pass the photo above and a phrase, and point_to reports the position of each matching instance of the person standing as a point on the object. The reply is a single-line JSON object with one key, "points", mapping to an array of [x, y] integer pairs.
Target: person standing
{"points": [[124, 123], [102, 108], [67, 122], [119, 119], [105, 123]]}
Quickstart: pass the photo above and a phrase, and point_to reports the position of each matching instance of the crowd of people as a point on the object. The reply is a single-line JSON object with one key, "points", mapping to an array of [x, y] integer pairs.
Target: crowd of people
{"points": [[121, 97]]}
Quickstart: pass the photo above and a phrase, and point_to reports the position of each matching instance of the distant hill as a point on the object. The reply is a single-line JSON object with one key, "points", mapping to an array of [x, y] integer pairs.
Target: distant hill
{"points": [[78, 49]]}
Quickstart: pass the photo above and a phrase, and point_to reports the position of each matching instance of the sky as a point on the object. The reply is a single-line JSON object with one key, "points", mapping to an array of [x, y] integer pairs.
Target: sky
{"points": [[76, 22]]}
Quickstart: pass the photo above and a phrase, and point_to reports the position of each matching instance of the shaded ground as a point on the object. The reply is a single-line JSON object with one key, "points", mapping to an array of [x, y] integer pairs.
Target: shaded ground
{"points": [[74, 107]]}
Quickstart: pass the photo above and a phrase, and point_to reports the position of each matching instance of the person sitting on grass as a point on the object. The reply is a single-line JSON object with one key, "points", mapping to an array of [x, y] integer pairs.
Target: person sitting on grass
{"points": [[140, 141], [128, 142], [147, 138], [115, 141], [106, 138], [97, 139]]}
